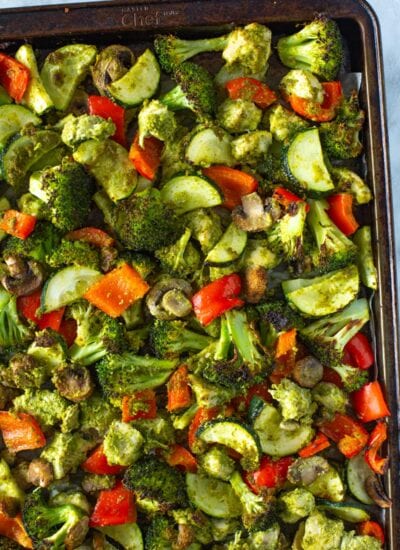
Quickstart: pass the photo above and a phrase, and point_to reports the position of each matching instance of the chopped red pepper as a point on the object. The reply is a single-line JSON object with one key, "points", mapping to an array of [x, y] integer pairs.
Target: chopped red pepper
{"points": [[285, 355], [360, 350], [91, 235], [318, 444], [285, 197], [114, 507], [21, 432], [181, 458], [270, 474], [17, 223], [371, 529], [340, 212], [14, 76], [219, 296], [202, 415], [13, 528], [319, 112], [369, 402], [96, 463], [146, 159], [376, 439], [68, 330], [142, 404], [233, 183], [251, 89], [29, 306], [351, 436], [332, 376], [105, 108], [179, 392]]}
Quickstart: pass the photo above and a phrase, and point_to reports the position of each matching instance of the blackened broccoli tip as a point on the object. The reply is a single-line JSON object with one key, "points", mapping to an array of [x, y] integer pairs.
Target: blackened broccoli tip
{"points": [[153, 479], [172, 338], [13, 331], [51, 525], [38, 245], [255, 507], [317, 47], [172, 51], [280, 315], [287, 234], [327, 337], [78, 253], [195, 90], [8, 544]]}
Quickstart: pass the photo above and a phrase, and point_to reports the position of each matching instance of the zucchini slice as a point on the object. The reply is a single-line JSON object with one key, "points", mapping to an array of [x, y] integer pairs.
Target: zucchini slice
{"points": [[128, 535], [139, 83], [236, 435], [5, 99], [305, 163], [347, 511], [64, 69], [185, 193], [209, 146], [35, 97], [229, 248], [66, 286], [213, 496], [323, 295], [328, 486], [357, 472], [12, 119], [274, 440]]}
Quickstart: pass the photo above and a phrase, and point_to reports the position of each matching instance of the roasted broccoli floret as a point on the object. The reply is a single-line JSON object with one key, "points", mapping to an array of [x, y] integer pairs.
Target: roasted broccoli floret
{"points": [[321, 532], [317, 47], [126, 373], [334, 249], [67, 190], [161, 534], [38, 245], [97, 335], [142, 221], [302, 83], [158, 432], [249, 47], [180, 259], [12, 331], [205, 226], [54, 526], [85, 127], [77, 253], [352, 378], [29, 204], [154, 480], [196, 525], [26, 371], [256, 508], [287, 233], [123, 444], [155, 119], [195, 90], [347, 181], [170, 339], [209, 394], [239, 115], [280, 315], [295, 402], [251, 148], [351, 541], [66, 452], [340, 138], [96, 415], [295, 505], [48, 348], [284, 123], [217, 463], [330, 397]]}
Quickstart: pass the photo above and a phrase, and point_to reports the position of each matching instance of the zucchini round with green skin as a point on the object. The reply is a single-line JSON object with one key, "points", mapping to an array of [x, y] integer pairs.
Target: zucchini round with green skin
{"points": [[128, 535], [213, 496], [274, 440], [323, 295], [236, 435], [12, 119], [347, 511], [139, 83], [255, 407], [357, 472], [306, 164], [210, 146], [229, 248], [328, 486], [185, 193], [66, 286]]}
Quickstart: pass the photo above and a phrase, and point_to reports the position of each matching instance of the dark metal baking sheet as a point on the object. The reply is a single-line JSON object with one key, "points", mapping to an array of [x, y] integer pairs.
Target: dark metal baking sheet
{"points": [[136, 22]]}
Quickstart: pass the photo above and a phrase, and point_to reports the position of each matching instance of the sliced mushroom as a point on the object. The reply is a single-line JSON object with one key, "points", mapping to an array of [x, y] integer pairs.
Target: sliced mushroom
{"points": [[305, 471], [308, 372], [40, 473], [176, 303], [73, 383], [111, 64], [24, 276], [375, 490], [252, 216], [155, 302], [254, 283], [77, 534]]}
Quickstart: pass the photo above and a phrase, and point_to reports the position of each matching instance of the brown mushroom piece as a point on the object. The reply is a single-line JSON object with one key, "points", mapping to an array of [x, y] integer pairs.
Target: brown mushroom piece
{"points": [[305, 471], [111, 64], [73, 382], [40, 473], [20, 474], [77, 534], [24, 276], [252, 216], [308, 372], [254, 283], [26, 372], [375, 490], [167, 305]]}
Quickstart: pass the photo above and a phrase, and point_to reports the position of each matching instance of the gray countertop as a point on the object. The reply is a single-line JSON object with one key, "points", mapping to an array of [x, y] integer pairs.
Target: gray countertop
{"points": [[388, 12]]}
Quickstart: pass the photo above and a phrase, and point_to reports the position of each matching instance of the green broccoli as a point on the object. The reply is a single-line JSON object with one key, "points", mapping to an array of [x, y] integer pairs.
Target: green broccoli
{"points": [[249, 47], [180, 259], [347, 181], [330, 397], [38, 245], [295, 505], [205, 226], [161, 534], [29, 204], [321, 532], [352, 378], [351, 541], [256, 508], [196, 525], [49, 349], [66, 452], [286, 235], [67, 190], [126, 373], [96, 415], [170, 339], [54, 526], [155, 119], [295, 402], [12, 331], [85, 127], [97, 334], [158, 432], [340, 138], [217, 463], [11, 495], [284, 123], [195, 90], [210, 395], [239, 115], [280, 315], [334, 249], [77, 253], [302, 83], [154, 480], [142, 221], [123, 444], [251, 148], [317, 47], [26, 372]]}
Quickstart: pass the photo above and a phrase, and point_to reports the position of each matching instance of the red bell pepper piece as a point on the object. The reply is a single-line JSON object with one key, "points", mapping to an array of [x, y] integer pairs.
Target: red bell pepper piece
{"points": [[332, 376], [17, 223], [318, 444], [29, 306], [285, 197], [233, 183], [376, 439], [340, 212], [21, 432], [202, 415], [13, 528], [369, 403], [319, 112], [91, 235], [371, 529], [68, 330], [105, 108], [270, 474], [181, 458], [114, 507], [142, 404], [96, 463], [350, 436], [285, 355], [360, 350], [146, 159], [251, 89], [178, 390], [219, 296], [14, 76]]}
